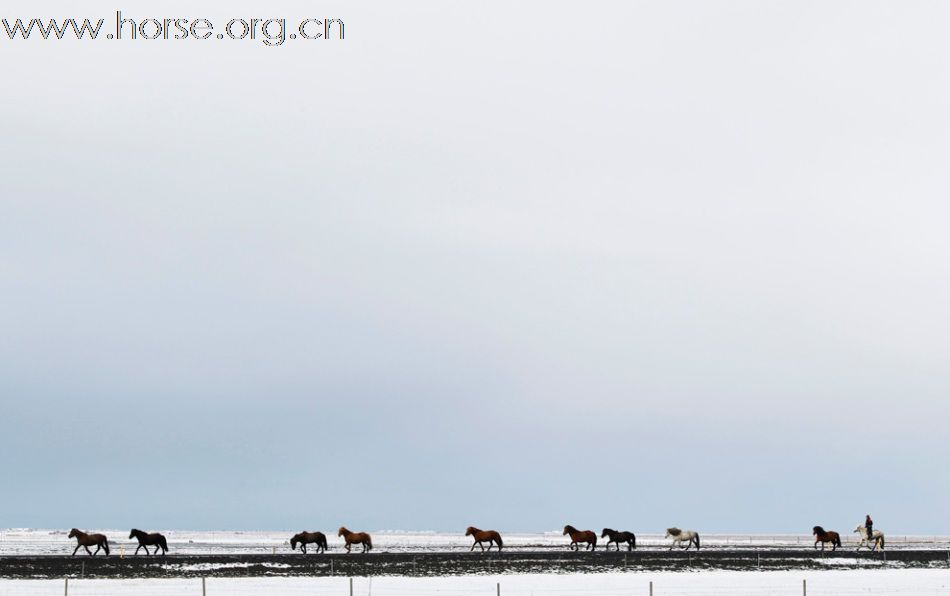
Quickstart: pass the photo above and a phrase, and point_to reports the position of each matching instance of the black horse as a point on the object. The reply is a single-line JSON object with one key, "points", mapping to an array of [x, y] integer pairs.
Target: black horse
{"points": [[305, 538], [618, 537], [146, 540]]}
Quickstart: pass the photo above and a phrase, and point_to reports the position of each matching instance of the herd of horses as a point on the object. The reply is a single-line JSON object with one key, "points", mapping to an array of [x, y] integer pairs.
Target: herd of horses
{"points": [[587, 538]]}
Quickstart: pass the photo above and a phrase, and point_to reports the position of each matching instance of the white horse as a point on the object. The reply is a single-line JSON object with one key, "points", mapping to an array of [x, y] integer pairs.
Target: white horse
{"points": [[690, 537], [877, 537]]}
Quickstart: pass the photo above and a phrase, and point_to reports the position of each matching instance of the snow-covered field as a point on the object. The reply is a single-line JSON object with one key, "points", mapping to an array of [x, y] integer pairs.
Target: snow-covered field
{"points": [[623, 584], [52, 542]]}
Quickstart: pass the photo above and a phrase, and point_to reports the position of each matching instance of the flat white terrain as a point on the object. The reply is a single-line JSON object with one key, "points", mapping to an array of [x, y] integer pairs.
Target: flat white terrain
{"points": [[912, 581], [54, 542]]}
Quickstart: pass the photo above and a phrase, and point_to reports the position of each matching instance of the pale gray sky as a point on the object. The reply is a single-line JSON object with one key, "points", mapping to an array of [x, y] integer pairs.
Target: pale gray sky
{"points": [[507, 264]]}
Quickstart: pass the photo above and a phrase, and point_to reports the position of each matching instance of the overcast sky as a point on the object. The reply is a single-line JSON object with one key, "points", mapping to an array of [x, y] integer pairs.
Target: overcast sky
{"points": [[514, 265]]}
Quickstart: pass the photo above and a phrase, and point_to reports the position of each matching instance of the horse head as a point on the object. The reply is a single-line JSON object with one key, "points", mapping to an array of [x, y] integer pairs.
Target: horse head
{"points": [[471, 530], [132, 533], [605, 532], [293, 542], [817, 530], [73, 533], [342, 531], [674, 532], [859, 529], [568, 529]]}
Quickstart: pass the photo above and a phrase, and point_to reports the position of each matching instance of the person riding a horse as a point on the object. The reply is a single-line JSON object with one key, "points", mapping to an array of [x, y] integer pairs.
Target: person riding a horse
{"points": [[869, 524]]}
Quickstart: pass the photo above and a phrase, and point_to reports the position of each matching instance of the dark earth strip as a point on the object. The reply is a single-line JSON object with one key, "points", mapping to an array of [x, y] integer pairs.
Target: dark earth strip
{"points": [[451, 563]]}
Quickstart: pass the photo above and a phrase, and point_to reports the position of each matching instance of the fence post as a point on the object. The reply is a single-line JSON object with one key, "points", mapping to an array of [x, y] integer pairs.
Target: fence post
{"points": [[651, 588], [351, 586], [498, 589], [82, 570], [66, 589], [204, 590], [804, 587]]}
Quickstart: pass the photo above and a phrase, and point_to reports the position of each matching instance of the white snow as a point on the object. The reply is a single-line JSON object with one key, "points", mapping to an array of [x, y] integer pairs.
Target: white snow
{"points": [[48, 542], [909, 581]]}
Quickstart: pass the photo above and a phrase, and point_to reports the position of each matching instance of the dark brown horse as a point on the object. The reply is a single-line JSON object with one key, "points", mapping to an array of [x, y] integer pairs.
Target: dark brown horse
{"points": [[86, 540], [821, 536], [489, 536], [146, 540], [577, 536], [351, 538], [305, 538], [618, 537]]}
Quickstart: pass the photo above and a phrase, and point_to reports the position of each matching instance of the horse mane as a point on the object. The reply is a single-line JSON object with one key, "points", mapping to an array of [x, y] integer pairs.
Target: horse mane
{"points": [[471, 530], [569, 528], [343, 531], [817, 530], [674, 531]]}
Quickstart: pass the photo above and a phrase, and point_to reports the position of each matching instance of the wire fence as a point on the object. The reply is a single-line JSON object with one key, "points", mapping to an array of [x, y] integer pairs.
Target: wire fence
{"points": [[695, 584]]}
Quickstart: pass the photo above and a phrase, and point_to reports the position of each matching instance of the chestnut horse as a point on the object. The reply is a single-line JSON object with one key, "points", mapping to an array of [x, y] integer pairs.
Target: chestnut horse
{"points": [[821, 536], [577, 536], [86, 540], [352, 538], [618, 537], [305, 538], [146, 540], [489, 536]]}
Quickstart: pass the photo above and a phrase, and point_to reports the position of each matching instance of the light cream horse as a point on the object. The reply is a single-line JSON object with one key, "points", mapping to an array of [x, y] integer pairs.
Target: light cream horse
{"points": [[877, 537], [690, 537]]}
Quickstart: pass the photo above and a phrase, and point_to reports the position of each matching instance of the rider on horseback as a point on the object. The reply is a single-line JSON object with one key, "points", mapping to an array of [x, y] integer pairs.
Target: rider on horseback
{"points": [[869, 526]]}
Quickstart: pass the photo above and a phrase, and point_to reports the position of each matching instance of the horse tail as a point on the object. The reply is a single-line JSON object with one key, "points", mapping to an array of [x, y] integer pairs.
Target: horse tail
{"points": [[369, 542], [105, 545], [837, 541], [633, 540], [697, 540], [163, 543], [498, 540], [882, 541]]}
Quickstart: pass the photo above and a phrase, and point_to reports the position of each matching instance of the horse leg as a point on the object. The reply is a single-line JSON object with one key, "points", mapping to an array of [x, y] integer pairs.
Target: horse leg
{"points": [[76, 549], [303, 547], [88, 551]]}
